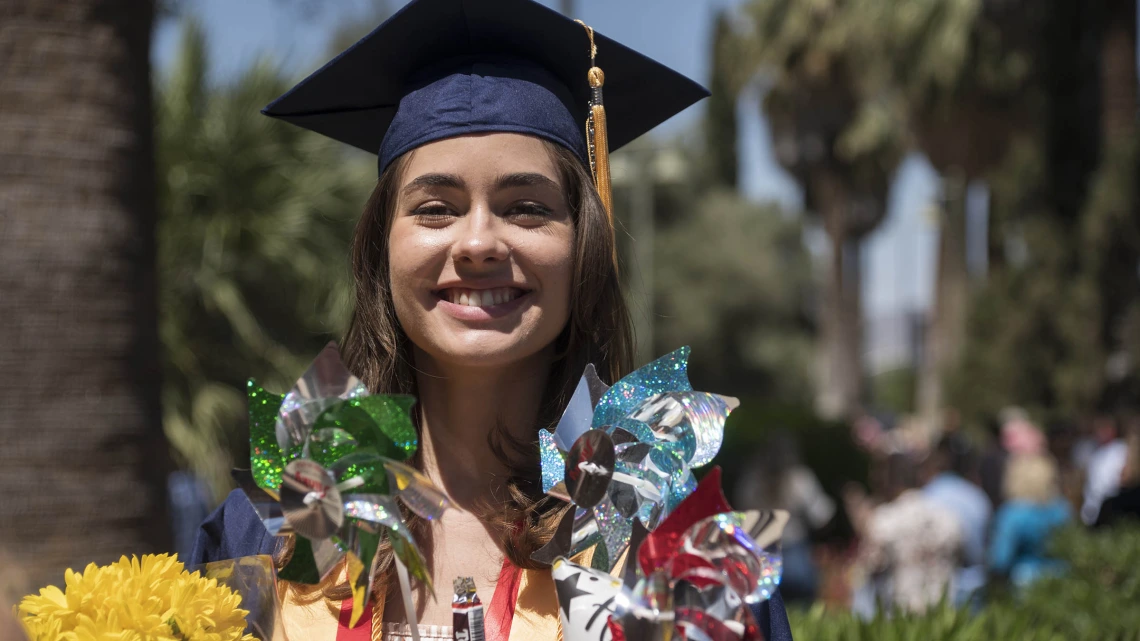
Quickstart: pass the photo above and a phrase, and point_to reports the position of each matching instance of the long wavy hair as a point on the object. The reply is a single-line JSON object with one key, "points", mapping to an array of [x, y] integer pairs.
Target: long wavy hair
{"points": [[599, 331]]}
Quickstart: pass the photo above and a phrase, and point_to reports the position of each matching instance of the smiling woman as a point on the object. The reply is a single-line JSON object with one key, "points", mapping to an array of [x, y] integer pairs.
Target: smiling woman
{"points": [[471, 216], [485, 283]]}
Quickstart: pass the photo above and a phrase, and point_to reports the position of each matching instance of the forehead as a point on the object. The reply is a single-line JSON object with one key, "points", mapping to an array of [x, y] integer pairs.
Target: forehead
{"points": [[483, 156]]}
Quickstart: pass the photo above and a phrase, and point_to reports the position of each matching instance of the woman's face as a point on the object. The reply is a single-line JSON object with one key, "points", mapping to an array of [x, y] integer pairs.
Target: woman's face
{"points": [[481, 249]]}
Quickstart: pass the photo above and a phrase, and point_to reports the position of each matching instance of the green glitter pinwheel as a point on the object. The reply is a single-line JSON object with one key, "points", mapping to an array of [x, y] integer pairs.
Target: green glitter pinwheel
{"points": [[327, 466]]}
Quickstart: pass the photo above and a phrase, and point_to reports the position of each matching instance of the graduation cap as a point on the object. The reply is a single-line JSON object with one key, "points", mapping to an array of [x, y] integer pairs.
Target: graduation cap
{"points": [[443, 68]]}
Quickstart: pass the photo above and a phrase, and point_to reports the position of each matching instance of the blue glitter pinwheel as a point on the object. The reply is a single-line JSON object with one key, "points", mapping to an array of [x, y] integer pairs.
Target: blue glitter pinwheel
{"points": [[327, 467], [625, 453]]}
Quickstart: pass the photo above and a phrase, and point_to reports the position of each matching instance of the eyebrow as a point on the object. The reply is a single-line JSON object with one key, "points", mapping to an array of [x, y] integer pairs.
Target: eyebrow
{"points": [[508, 181], [448, 181]]}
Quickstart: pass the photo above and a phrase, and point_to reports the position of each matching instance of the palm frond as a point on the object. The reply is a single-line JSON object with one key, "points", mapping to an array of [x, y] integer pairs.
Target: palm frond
{"points": [[255, 221]]}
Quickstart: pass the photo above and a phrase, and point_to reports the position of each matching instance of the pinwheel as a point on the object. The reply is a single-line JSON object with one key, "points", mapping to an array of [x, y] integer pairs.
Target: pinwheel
{"points": [[328, 467], [623, 457], [694, 577], [626, 453]]}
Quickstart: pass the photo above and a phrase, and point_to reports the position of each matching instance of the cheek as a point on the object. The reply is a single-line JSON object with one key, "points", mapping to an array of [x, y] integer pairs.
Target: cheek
{"points": [[413, 258], [557, 266]]}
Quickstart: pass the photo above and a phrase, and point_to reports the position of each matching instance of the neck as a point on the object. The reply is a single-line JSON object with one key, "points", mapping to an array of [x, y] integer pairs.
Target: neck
{"points": [[460, 407]]}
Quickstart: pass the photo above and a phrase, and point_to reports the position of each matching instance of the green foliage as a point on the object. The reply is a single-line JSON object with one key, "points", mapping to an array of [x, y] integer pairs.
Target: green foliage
{"points": [[1110, 255], [826, 88], [905, 65], [894, 390], [824, 446], [255, 218], [1046, 322], [944, 623], [736, 297], [1100, 590], [1095, 600], [1051, 327]]}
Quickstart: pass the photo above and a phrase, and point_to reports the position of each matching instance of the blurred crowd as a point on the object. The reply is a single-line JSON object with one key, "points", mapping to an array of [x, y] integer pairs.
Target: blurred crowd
{"points": [[952, 516]]}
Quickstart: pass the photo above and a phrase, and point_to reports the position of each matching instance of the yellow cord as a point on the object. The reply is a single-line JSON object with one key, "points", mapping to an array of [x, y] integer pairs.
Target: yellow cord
{"points": [[597, 135]]}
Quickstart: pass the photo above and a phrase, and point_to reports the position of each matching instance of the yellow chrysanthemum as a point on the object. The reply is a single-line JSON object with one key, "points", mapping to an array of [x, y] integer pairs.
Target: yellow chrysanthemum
{"points": [[153, 598]]}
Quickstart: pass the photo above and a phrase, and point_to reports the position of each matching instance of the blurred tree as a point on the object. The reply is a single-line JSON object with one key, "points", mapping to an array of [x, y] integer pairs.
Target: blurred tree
{"points": [[720, 127], [1050, 327], [356, 27], [84, 462], [730, 281], [964, 81], [959, 68], [1110, 220], [254, 226], [833, 128]]}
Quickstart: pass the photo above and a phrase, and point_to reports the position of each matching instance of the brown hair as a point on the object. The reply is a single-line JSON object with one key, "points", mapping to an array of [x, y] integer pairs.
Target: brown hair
{"points": [[378, 350]]}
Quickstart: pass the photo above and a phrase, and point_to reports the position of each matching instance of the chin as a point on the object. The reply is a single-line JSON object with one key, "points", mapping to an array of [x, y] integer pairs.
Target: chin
{"points": [[487, 348]]}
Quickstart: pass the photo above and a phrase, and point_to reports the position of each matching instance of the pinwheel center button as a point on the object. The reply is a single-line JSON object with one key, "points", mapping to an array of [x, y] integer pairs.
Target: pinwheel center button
{"points": [[589, 468], [310, 500]]}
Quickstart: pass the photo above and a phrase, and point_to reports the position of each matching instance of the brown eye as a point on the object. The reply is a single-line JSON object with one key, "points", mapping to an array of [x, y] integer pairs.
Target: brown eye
{"points": [[433, 213], [530, 211]]}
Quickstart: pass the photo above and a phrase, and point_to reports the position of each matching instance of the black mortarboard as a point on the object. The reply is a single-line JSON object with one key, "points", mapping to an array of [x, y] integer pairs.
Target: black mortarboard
{"points": [[443, 68]]}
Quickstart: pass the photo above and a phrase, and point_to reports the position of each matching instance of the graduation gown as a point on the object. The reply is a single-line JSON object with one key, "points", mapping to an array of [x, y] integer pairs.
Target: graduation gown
{"points": [[234, 531]]}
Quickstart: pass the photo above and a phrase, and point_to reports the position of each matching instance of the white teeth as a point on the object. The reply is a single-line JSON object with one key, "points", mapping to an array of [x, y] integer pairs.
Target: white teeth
{"points": [[482, 298]]}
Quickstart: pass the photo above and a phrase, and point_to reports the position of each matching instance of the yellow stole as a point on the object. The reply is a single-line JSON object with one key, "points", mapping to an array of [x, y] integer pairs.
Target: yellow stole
{"points": [[306, 615]]}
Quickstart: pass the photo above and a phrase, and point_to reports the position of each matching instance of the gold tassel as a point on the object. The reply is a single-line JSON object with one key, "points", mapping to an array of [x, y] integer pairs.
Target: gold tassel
{"points": [[599, 142], [597, 137]]}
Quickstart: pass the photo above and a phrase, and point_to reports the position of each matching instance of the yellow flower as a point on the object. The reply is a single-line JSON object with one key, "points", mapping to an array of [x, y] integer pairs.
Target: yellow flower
{"points": [[149, 599]]}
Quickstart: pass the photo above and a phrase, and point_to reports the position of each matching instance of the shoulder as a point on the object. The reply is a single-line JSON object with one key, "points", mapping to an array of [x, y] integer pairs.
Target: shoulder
{"points": [[233, 530], [772, 618]]}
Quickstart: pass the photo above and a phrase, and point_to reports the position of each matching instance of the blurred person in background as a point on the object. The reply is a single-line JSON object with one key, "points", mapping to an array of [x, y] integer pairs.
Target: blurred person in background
{"points": [[1033, 510], [1013, 433], [1019, 436], [910, 547], [949, 470], [1126, 503], [991, 467], [777, 479], [1062, 439], [1105, 465]]}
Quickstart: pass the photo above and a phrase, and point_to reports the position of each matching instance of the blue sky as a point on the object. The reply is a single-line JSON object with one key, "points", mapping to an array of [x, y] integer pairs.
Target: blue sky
{"points": [[899, 268]]}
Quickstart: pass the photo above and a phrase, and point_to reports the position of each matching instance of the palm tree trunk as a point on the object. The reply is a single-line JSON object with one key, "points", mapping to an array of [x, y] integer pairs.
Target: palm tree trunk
{"points": [[840, 356], [84, 460], [947, 327], [1118, 72], [720, 114]]}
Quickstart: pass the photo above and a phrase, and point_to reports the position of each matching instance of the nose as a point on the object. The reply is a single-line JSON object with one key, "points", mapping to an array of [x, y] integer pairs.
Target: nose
{"points": [[480, 239]]}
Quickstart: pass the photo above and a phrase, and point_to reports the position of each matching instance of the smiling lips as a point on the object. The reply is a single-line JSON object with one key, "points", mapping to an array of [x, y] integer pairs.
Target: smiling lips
{"points": [[480, 297]]}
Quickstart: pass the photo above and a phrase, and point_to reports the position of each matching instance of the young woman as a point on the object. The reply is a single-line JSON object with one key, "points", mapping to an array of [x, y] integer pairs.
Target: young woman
{"points": [[485, 281]]}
